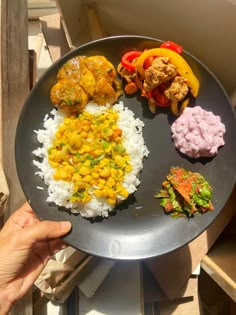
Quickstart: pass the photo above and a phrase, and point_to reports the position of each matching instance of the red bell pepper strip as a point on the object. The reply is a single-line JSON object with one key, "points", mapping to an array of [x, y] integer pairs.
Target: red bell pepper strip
{"points": [[172, 46], [158, 95], [148, 62], [128, 57]]}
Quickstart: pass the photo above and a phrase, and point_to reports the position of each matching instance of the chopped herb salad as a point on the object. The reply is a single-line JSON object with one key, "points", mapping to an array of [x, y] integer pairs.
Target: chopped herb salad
{"points": [[185, 193]]}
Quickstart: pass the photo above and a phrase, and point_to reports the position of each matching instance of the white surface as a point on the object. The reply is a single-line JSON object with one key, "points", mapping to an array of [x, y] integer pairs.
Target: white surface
{"points": [[197, 270], [119, 294], [51, 308], [38, 8]]}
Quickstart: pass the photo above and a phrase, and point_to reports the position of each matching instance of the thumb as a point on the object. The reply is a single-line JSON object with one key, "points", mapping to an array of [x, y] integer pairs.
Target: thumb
{"points": [[45, 230]]}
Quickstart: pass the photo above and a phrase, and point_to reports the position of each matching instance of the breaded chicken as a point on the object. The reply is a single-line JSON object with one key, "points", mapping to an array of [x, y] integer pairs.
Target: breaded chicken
{"points": [[68, 96], [71, 69], [104, 92], [101, 68], [83, 79], [87, 81]]}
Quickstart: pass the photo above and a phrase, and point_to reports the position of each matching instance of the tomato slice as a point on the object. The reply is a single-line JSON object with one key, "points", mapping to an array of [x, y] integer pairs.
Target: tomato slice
{"points": [[128, 57], [158, 95], [172, 46]]}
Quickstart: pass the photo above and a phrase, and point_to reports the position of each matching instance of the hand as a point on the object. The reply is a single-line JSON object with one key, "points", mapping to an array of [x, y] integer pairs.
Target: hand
{"points": [[26, 244]]}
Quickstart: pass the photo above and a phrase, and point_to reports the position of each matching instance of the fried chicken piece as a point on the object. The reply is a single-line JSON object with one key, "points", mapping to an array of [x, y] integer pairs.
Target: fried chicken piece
{"points": [[87, 81], [71, 69], [159, 72], [177, 90], [83, 79], [74, 69], [68, 96], [104, 92], [101, 68]]}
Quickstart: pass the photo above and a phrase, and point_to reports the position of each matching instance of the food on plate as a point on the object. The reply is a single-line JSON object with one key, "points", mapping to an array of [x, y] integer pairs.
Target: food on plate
{"points": [[185, 193], [68, 96], [162, 75], [91, 161], [198, 133], [172, 46], [82, 80]]}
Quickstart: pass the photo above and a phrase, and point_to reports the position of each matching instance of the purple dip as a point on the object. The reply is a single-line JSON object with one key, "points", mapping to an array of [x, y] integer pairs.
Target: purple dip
{"points": [[198, 133]]}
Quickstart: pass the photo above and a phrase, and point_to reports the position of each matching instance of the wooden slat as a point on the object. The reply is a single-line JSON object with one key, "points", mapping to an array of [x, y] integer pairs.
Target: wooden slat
{"points": [[15, 86], [93, 21], [219, 264], [74, 21], [14, 79], [54, 36], [32, 67]]}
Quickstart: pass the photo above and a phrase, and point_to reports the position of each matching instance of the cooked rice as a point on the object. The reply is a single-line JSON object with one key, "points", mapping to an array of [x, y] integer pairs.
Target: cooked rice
{"points": [[59, 191]]}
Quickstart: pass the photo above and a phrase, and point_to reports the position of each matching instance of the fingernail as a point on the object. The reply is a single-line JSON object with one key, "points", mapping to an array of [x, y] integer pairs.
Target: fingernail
{"points": [[66, 225]]}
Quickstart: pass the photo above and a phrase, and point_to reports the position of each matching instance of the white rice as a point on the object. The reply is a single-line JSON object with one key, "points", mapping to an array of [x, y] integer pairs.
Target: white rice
{"points": [[59, 191]]}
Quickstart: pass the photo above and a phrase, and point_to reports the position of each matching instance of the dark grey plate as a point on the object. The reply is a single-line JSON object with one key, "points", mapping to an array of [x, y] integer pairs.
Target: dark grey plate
{"points": [[138, 228]]}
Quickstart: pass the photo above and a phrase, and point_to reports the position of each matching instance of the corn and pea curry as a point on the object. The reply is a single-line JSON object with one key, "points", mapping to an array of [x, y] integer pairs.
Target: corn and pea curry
{"points": [[88, 151]]}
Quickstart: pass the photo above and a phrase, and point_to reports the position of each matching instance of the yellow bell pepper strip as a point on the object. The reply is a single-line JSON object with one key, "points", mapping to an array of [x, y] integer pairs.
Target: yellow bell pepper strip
{"points": [[184, 105], [175, 109], [182, 66]]}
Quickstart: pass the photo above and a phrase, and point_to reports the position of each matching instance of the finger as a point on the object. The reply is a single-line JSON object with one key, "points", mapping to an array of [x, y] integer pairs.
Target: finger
{"points": [[45, 250], [24, 209], [21, 218], [56, 245], [44, 230]]}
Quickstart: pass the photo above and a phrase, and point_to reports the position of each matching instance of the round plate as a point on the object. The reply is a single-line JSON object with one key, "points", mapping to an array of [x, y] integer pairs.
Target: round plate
{"points": [[138, 228]]}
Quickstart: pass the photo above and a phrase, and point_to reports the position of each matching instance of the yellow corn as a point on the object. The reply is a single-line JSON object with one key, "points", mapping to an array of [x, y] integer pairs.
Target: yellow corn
{"points": [[98, 193], [84, 170], [120, 161], [75, 139], [84, 134], [111, 201], [53, 164], [87, 178], [128, 168], [105, 172], [95, 175]]}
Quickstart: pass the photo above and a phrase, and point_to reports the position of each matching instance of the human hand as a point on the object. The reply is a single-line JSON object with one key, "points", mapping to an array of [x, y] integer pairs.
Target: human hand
{"points": [[26, 245]]}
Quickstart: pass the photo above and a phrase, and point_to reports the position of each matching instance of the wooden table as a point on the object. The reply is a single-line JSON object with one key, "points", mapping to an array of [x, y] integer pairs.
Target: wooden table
{"points": [[14, 76]]}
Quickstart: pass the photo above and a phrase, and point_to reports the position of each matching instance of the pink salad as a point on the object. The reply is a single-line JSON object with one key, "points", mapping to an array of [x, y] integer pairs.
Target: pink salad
{"points": [[198, 133]]}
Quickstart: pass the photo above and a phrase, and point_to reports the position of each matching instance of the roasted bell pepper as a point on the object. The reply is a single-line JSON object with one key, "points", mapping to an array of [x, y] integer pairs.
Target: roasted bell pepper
{"points": [[175, 106], [127, 59], [182, 66], [159, 97], [172, 46]]}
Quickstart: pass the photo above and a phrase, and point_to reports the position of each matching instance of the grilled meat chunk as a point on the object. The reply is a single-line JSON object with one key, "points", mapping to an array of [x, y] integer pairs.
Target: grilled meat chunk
{"points": [[159, 72], [177, 90]]}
